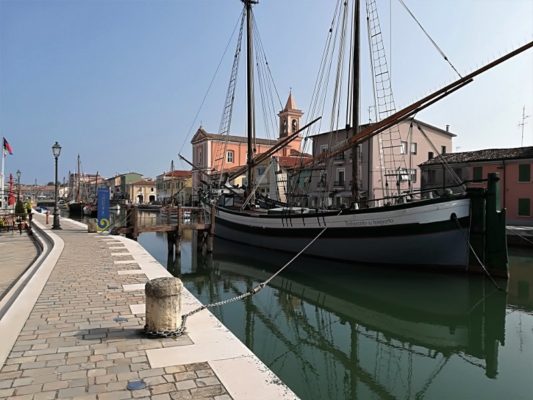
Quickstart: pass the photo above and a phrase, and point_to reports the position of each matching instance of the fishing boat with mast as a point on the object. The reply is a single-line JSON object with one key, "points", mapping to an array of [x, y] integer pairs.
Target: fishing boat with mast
{"points": [[462, 230]]}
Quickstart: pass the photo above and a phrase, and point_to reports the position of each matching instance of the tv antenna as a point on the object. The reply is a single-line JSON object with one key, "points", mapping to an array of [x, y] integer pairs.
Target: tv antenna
{"points": [[522, 124]]}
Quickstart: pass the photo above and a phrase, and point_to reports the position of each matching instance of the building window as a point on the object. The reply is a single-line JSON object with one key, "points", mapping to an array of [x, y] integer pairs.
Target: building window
{"points": [[403, 148], [413, 148], [524, 207], [430, 155], [340, 177], [458, 172], [229, 156], [323, 148], [413, 175], [406, 175], [200, 158], [442, 149], [478, 173], [323, 179], [260, 171], [524, 173]]}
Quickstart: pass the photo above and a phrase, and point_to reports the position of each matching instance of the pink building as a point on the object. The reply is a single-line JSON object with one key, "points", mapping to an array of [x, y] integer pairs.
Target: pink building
{"points": [[514, 166], [213, 153]]}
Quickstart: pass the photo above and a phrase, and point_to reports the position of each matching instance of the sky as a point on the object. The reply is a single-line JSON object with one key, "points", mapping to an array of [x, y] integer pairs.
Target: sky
{"points": [[122, 82]]}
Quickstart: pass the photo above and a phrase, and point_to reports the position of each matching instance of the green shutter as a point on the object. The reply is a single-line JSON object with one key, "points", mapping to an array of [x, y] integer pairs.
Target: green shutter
{"points": [[524, 207], [478, 173], [524, 173]]}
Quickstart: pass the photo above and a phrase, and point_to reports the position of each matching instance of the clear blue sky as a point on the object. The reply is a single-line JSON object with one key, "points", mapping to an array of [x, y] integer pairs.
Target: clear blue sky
{"points": [[120, 81]]}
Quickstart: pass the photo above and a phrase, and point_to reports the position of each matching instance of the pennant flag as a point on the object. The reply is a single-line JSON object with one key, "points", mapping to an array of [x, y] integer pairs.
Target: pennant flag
{"points": [[7, 147]]}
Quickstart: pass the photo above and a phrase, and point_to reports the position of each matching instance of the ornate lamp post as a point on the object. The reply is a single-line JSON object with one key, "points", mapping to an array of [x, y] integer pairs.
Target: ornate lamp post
{"points": [[18, 184], [56, 151]]}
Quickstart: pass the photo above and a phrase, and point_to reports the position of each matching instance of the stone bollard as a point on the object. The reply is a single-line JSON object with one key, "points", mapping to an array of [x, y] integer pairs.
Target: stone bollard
{"points": [[91, 225], [163, 304]]}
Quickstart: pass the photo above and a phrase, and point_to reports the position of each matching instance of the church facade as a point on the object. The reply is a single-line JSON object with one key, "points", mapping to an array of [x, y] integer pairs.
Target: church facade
{"points": [[213, 153]]}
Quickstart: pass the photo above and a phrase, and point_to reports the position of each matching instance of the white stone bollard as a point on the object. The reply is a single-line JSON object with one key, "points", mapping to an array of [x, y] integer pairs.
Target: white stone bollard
{"points": [[163, 304]]}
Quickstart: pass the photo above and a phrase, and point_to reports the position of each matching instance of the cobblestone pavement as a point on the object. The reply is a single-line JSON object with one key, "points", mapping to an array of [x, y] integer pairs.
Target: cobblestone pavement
{"points": [[82, 340], [17, 252]]}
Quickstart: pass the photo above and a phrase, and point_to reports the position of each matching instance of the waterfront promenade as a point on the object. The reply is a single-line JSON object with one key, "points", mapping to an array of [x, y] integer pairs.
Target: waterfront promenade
{"points": [[75, 331]]}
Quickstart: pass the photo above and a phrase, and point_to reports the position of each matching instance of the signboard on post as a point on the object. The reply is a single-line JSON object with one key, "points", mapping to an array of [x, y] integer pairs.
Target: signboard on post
{"points": [[103, 209]]}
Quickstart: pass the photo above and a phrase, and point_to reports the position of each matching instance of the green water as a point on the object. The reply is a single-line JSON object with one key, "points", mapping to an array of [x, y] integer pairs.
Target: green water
{"points": [[331, 331]]}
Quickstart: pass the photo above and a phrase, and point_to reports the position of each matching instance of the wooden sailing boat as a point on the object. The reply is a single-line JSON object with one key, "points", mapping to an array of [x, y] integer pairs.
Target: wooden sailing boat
{"points": [[443, 232]]}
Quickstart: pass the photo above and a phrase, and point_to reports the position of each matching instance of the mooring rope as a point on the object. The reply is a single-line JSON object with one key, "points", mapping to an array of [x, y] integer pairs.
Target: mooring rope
{"points": [[454, 217], [522, 237], [179, 331]]}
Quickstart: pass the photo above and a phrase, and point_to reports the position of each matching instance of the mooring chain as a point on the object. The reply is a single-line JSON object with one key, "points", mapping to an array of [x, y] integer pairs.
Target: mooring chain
{"points": [[179, 331]]}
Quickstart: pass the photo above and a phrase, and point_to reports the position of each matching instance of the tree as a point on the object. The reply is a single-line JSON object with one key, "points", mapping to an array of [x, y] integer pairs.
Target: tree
{"points": [[20, 210]]}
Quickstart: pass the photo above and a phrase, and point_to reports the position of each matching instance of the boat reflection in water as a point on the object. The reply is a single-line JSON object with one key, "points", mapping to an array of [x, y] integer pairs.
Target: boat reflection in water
{"points": [[333, 333]]}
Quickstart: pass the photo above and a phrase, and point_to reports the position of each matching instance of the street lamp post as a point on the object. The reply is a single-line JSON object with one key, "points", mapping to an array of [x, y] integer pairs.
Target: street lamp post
{"points": [[56, 151], [18, 184]]}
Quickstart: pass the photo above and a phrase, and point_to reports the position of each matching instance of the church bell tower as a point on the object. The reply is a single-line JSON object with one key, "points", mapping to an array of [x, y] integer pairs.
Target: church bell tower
{"points": [[289, 118]]}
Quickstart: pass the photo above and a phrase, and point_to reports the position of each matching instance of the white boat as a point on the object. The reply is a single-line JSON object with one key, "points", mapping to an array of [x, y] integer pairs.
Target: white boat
{"points": [[440, 232]]}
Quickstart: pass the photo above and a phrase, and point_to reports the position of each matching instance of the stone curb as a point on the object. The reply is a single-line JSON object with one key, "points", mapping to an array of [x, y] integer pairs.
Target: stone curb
{"points": [[16, 310]]}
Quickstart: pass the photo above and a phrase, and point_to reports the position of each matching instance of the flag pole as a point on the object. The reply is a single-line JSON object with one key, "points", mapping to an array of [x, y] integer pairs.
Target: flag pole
{"points": [[2, 193]]}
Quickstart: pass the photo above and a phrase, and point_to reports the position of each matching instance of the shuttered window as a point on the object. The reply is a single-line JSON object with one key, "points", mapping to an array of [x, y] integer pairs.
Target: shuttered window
{"points": [[524, 172], [478, 173], [524, 207]]}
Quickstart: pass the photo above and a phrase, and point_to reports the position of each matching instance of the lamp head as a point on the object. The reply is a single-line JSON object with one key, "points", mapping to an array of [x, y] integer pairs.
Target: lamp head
{"points": [[56, 150]]}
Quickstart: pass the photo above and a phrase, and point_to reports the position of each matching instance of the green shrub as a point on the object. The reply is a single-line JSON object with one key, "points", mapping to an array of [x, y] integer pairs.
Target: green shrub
{"points": [[20, 210]]}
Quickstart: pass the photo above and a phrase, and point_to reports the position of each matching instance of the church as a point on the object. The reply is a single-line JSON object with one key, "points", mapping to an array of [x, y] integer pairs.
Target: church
{"points": [[214, 153]]}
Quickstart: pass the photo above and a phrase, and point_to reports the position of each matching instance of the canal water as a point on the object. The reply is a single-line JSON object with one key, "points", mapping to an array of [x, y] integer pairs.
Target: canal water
{"points": [[333, 331]]}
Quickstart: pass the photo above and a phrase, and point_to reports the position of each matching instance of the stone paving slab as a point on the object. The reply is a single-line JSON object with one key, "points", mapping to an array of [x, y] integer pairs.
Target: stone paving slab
{"points": [[17, 252], [83, 339]]}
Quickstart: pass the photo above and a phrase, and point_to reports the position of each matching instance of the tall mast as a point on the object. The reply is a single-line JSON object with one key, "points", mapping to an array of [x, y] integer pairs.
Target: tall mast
{"points": [[250, 92], [78, 182], [355, 99]]}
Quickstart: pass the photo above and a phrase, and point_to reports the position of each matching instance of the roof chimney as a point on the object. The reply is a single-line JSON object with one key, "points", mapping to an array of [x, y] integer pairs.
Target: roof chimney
{"points": [[447, 128]]}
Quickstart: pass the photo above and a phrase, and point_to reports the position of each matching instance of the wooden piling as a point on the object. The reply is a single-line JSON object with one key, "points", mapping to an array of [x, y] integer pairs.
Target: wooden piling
{"points": [[211, 235]]}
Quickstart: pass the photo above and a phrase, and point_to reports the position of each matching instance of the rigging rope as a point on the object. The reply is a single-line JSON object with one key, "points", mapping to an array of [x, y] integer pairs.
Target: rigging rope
{"points": [[442, 159], [186, 139], [430, 38]]}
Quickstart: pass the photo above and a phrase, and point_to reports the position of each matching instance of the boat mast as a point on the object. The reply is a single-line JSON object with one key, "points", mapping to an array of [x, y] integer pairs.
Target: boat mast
{"points": [[355, 100], [78, 182], [250, 93]]}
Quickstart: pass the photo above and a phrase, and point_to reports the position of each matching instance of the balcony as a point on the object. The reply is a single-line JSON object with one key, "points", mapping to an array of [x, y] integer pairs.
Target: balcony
{"points": [[339, 184]]}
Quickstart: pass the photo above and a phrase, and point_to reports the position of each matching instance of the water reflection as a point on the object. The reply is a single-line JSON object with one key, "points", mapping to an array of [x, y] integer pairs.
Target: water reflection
{"points": [[330, 332], [334, 333]]}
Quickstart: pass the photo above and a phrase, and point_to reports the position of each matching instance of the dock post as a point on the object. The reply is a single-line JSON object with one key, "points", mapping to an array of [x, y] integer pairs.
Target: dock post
{"points": [[194, 249], [170, 242], [211, 234], [496, 241], [131, 223], [177, 242], [163, 304]]}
